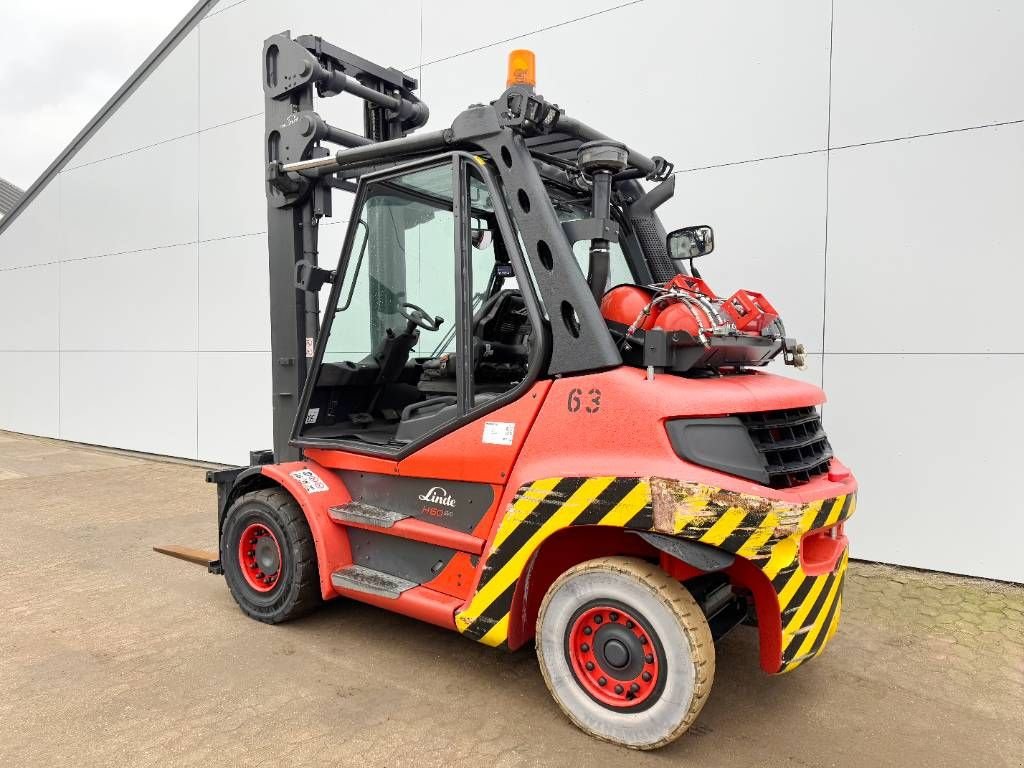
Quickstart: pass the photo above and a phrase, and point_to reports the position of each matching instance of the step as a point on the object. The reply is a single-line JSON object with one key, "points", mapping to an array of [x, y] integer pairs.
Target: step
{"points": [[365, 514], [359, 578]]}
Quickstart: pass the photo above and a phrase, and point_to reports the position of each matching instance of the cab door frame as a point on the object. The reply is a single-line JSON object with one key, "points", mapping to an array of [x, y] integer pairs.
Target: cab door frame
{"points": [[461, 209]]}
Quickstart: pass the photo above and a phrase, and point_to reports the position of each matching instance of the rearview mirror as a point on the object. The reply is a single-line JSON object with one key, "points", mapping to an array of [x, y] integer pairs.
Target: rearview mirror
{"points": [[482, 238], [690, 242]]}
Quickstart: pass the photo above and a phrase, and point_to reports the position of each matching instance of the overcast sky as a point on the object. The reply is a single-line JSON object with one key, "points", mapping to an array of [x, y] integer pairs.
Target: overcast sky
{"points": [[60, 60]]}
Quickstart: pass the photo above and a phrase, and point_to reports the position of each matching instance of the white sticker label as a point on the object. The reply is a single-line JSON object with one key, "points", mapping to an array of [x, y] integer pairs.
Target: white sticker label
{"points": [[310, 480], [311, 415], [499, 432], [310, 346]]}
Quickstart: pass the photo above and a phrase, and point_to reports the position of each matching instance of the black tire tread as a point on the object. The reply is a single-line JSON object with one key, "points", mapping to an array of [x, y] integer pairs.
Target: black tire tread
{"points": [[305, 594]]}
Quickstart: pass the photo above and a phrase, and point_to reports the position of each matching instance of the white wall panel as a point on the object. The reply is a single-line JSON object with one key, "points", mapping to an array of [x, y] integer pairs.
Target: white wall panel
{"points": [[164, 106], [143, 401], [234, 294], [232, 196], [235, 413], [932, 439], [445, 22], [915, 225], [231, 46], [33, 237], [140, 300], [915, 66], [89, 223], [28, 308], [28, 392], [351, 26], [811, 373], [769, 222], [144, 199], [750, 81], [222, 5]]}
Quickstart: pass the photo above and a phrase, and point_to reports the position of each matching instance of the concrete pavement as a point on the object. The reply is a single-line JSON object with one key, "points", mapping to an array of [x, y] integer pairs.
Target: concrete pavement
{"points": [[113, 655]]}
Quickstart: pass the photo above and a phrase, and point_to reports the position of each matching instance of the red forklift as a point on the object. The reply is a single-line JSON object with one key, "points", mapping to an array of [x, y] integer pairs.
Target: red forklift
{"points": [[524, 416]]}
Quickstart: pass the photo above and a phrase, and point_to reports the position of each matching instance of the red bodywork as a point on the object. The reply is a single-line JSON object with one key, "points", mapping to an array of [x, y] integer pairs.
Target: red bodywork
{"points": [[609, 423]]}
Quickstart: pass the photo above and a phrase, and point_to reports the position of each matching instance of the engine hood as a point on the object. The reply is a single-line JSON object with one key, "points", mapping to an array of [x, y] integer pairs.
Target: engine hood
{"points": [[672, 395]]}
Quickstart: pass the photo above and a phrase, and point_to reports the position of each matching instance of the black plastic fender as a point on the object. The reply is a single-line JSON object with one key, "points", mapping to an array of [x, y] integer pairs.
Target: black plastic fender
{"points": [[703, 556]]}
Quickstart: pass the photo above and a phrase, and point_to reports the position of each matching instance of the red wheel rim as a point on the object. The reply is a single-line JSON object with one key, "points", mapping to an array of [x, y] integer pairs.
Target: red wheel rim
{"points": [[613, 656], [259, 557]]}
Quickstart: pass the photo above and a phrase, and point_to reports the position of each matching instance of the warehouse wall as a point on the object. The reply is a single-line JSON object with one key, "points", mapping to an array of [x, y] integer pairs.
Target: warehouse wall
{"points": [[861, 162]]}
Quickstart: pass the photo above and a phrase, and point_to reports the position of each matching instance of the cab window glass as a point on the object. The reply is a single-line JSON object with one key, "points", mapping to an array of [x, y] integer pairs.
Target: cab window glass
{"points": [[403, 252]]}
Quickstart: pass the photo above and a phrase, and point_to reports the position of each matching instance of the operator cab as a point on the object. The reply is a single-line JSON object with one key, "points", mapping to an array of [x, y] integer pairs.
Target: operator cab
{"points": [[391, 370]]}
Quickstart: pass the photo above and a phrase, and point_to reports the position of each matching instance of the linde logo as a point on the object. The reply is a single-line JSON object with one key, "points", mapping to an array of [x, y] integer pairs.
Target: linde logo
{"points": [[438, 495]]}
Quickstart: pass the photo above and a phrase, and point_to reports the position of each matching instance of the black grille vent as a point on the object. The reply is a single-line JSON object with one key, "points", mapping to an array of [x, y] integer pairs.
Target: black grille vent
{"points": [[793, 443], [653, 244]]}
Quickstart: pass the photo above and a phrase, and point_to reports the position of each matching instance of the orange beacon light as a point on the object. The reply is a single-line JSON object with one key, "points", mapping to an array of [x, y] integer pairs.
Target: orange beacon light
{"points": [[522, 68]]}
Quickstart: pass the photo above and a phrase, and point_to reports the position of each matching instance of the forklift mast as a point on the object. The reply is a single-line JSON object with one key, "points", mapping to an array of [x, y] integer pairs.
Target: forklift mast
{"points": [[529, 139]]}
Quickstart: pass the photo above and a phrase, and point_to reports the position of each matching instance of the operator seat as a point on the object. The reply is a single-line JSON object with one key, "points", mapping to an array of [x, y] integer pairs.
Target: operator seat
{"points": [[495, 307], [501, 330], [420, 418], [500, 327]]}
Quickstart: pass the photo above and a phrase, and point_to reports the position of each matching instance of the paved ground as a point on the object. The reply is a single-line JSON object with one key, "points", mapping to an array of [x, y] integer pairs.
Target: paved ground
{"points": [[112, 655]]}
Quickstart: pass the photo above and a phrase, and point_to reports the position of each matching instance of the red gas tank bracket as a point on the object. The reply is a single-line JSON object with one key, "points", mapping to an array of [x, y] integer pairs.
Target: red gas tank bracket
{"points": [[692, 285]]}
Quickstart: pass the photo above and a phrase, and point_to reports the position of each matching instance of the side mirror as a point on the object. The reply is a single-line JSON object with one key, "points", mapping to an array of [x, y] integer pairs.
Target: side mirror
{"points": [[690, 242]]}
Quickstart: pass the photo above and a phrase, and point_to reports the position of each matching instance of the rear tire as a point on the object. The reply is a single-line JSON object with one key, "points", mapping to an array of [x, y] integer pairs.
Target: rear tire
{"points": [[269, 558], [626, 651]]}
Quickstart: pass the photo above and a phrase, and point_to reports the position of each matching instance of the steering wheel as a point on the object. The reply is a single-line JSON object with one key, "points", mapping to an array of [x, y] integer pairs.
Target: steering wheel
{"points": [[419, 317]]}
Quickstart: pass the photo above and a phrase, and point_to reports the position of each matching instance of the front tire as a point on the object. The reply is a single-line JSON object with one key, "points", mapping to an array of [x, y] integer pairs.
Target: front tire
{"points": [[269, 558], [626, 651]]}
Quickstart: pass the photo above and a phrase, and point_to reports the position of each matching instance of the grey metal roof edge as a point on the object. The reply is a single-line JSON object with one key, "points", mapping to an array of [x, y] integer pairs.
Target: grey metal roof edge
{"points": [[10, 194], [138, 77]]}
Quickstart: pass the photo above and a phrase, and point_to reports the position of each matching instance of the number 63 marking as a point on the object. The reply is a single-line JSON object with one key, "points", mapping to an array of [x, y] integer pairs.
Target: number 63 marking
{"points": [[576, 400]]}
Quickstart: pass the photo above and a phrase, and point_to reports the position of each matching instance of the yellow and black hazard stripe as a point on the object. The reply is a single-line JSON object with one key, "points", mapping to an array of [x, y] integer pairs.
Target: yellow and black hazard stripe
{"points": [[747, 525], [810, 612], [764, 531], [822, 514], [538, 510], [809, 606]]}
